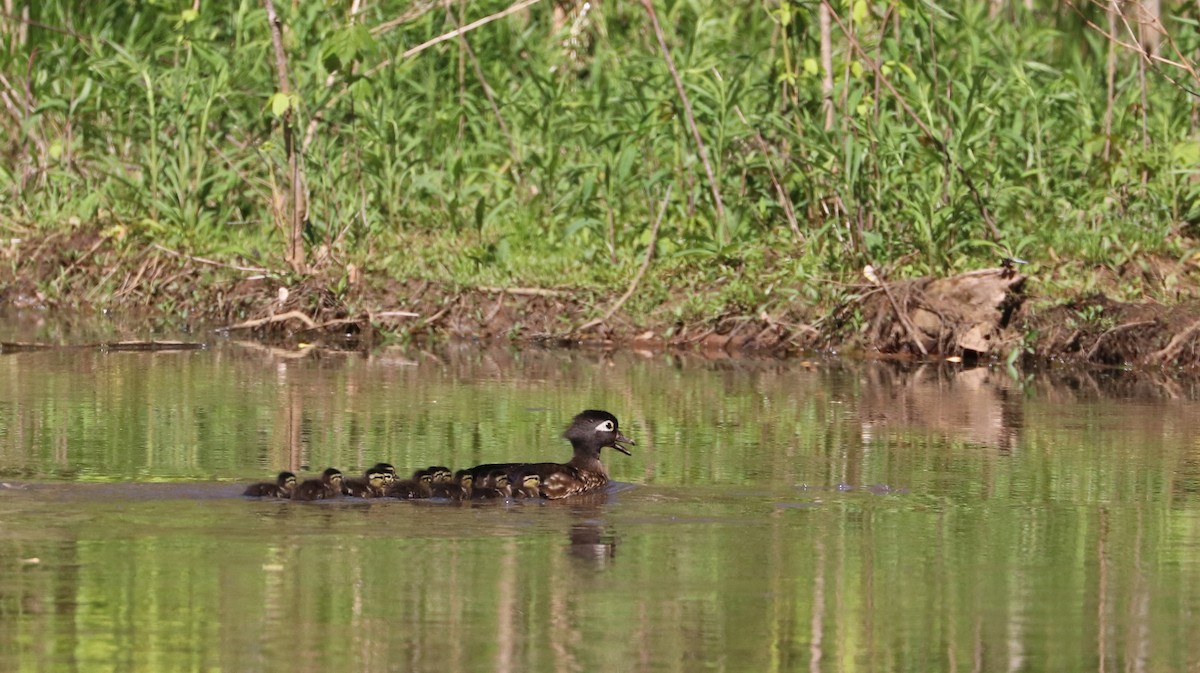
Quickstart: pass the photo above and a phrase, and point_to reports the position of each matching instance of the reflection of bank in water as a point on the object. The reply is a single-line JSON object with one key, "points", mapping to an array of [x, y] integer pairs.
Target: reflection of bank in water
{"points": [[981, 405]]}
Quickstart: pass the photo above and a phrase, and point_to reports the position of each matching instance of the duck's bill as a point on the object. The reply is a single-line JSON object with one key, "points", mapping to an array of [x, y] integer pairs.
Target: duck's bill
{"points": [[623, 439]]}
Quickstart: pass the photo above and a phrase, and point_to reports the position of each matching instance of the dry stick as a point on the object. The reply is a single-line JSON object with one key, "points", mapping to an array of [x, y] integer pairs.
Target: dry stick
{"points": [[689, 117], [210, 262], [641, 272], [933, 138], [1096, 346], [295, 249], [515, 7], [1110, 76], [526, 291], [491, 99], [900, 315], [826, 63], [279, 317], [788, 210], [1175, 345]]}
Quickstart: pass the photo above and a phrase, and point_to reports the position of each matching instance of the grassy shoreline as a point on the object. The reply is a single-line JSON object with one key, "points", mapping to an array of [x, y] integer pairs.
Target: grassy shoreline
{"points": [[761, 155]]}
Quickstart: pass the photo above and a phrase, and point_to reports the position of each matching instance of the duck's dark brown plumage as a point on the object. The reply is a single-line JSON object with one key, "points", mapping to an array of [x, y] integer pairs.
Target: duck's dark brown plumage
{"points": [[328, 485], [283, 486], [589, 432]]}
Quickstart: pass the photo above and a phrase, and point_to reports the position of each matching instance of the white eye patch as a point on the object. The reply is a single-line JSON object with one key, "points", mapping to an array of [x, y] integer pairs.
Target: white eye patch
{"points": [[605, 426]]}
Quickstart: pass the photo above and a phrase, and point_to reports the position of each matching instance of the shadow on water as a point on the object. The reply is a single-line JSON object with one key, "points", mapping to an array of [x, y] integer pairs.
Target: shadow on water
{"points": [[773, 517]]}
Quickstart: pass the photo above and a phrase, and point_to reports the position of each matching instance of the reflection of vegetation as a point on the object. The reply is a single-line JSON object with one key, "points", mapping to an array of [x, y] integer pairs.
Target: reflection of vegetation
{"points": [[1066, 535]]}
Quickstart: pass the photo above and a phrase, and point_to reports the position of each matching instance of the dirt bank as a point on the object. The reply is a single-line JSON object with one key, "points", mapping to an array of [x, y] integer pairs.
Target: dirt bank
{"points": [[989, 313]]}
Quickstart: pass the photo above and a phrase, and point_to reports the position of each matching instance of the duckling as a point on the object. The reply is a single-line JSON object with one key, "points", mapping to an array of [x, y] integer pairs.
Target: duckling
{"points": [[590, 431], [457, 489], [494, 485], [372, 484], [525, 484], [439, 474], [284, 484], [412, 489], [328, 485]]}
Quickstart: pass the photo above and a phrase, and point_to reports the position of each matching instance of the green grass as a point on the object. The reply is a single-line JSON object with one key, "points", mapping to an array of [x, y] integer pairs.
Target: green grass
{"points": [[154, 124]]}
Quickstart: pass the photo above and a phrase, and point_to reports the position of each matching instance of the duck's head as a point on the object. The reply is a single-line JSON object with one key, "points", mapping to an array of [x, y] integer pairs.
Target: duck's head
{"points": [[464, 478], [531, 481], [438, 473], [378, 480], [593, 430]]}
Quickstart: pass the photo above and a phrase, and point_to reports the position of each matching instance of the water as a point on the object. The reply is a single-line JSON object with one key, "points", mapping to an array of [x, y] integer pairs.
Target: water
{"points": [[773, 517]]}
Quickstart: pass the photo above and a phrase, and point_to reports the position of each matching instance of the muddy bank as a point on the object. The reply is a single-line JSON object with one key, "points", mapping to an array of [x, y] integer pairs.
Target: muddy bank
{"points": [[984, 314]]}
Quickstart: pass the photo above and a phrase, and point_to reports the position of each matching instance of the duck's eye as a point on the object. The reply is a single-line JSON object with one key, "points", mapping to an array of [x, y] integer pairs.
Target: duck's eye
{"points": [[605, 426]]}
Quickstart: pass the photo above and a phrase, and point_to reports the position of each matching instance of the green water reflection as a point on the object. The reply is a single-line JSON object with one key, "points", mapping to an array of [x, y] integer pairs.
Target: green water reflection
{"points": [[845, 517]]}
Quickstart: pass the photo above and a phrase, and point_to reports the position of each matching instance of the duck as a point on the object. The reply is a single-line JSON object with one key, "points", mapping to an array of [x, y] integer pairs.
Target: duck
{"points": [[590, 431], [412, 489], [283, 486], [493, 486], [328, 485], [458, 488], [372, 484]]}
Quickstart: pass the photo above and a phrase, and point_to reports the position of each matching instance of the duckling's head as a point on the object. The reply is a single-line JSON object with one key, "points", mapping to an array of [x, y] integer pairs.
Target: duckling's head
{"points": [[531, 480], [592, 430], [385, 471], [438, 473], [286, 481], [377, 479], [464, 478], [498, 478], [332, 476]]}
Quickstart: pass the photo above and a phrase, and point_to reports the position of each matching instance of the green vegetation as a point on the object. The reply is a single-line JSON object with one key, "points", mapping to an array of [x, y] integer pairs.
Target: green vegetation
{"points": [[536, 149]]}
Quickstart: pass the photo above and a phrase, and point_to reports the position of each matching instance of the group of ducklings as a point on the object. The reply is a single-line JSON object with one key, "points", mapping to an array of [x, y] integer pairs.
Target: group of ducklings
{"points": [[382, 481], [589, 432]]}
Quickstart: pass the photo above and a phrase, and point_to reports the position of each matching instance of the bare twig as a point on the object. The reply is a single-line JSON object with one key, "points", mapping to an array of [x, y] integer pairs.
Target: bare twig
{"points": [[210, 262], [1173, 347], [689, 116], [641, 272], [900, 315], [912, 114], [387, 63], [526, 291], [295, 245], [788, 210], [279, 317], [1096, 346]]}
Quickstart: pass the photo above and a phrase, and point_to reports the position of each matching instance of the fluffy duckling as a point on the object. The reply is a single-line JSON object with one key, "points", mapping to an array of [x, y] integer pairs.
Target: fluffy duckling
{"points": [[412, 489], [283, 486], [458, 488], [525, 484], [439, 474], [589, 432], [328, 485], [494, 485], [373, 484]]}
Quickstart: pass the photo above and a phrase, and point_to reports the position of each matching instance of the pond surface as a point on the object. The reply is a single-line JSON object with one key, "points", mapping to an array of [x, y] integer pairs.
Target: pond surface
{"points": [[774, 516]]}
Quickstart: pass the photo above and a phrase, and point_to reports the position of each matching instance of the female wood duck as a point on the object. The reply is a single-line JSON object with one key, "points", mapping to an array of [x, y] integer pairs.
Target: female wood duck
{"points": [[589, 432], [412, 489], [284, 484], [373, 484], [494, 485], [328, 485], [459, 488]]}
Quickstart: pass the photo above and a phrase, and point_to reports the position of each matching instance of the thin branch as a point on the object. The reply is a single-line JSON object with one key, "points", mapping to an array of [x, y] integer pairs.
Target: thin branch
{"points": [[933, 138], [279, 317], [210, 262], [387, 63], [641, 272], [689, 116]]}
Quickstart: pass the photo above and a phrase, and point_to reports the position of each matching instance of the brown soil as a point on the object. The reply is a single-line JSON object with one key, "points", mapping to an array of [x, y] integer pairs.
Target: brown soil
{"points": [[982, 314]]}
